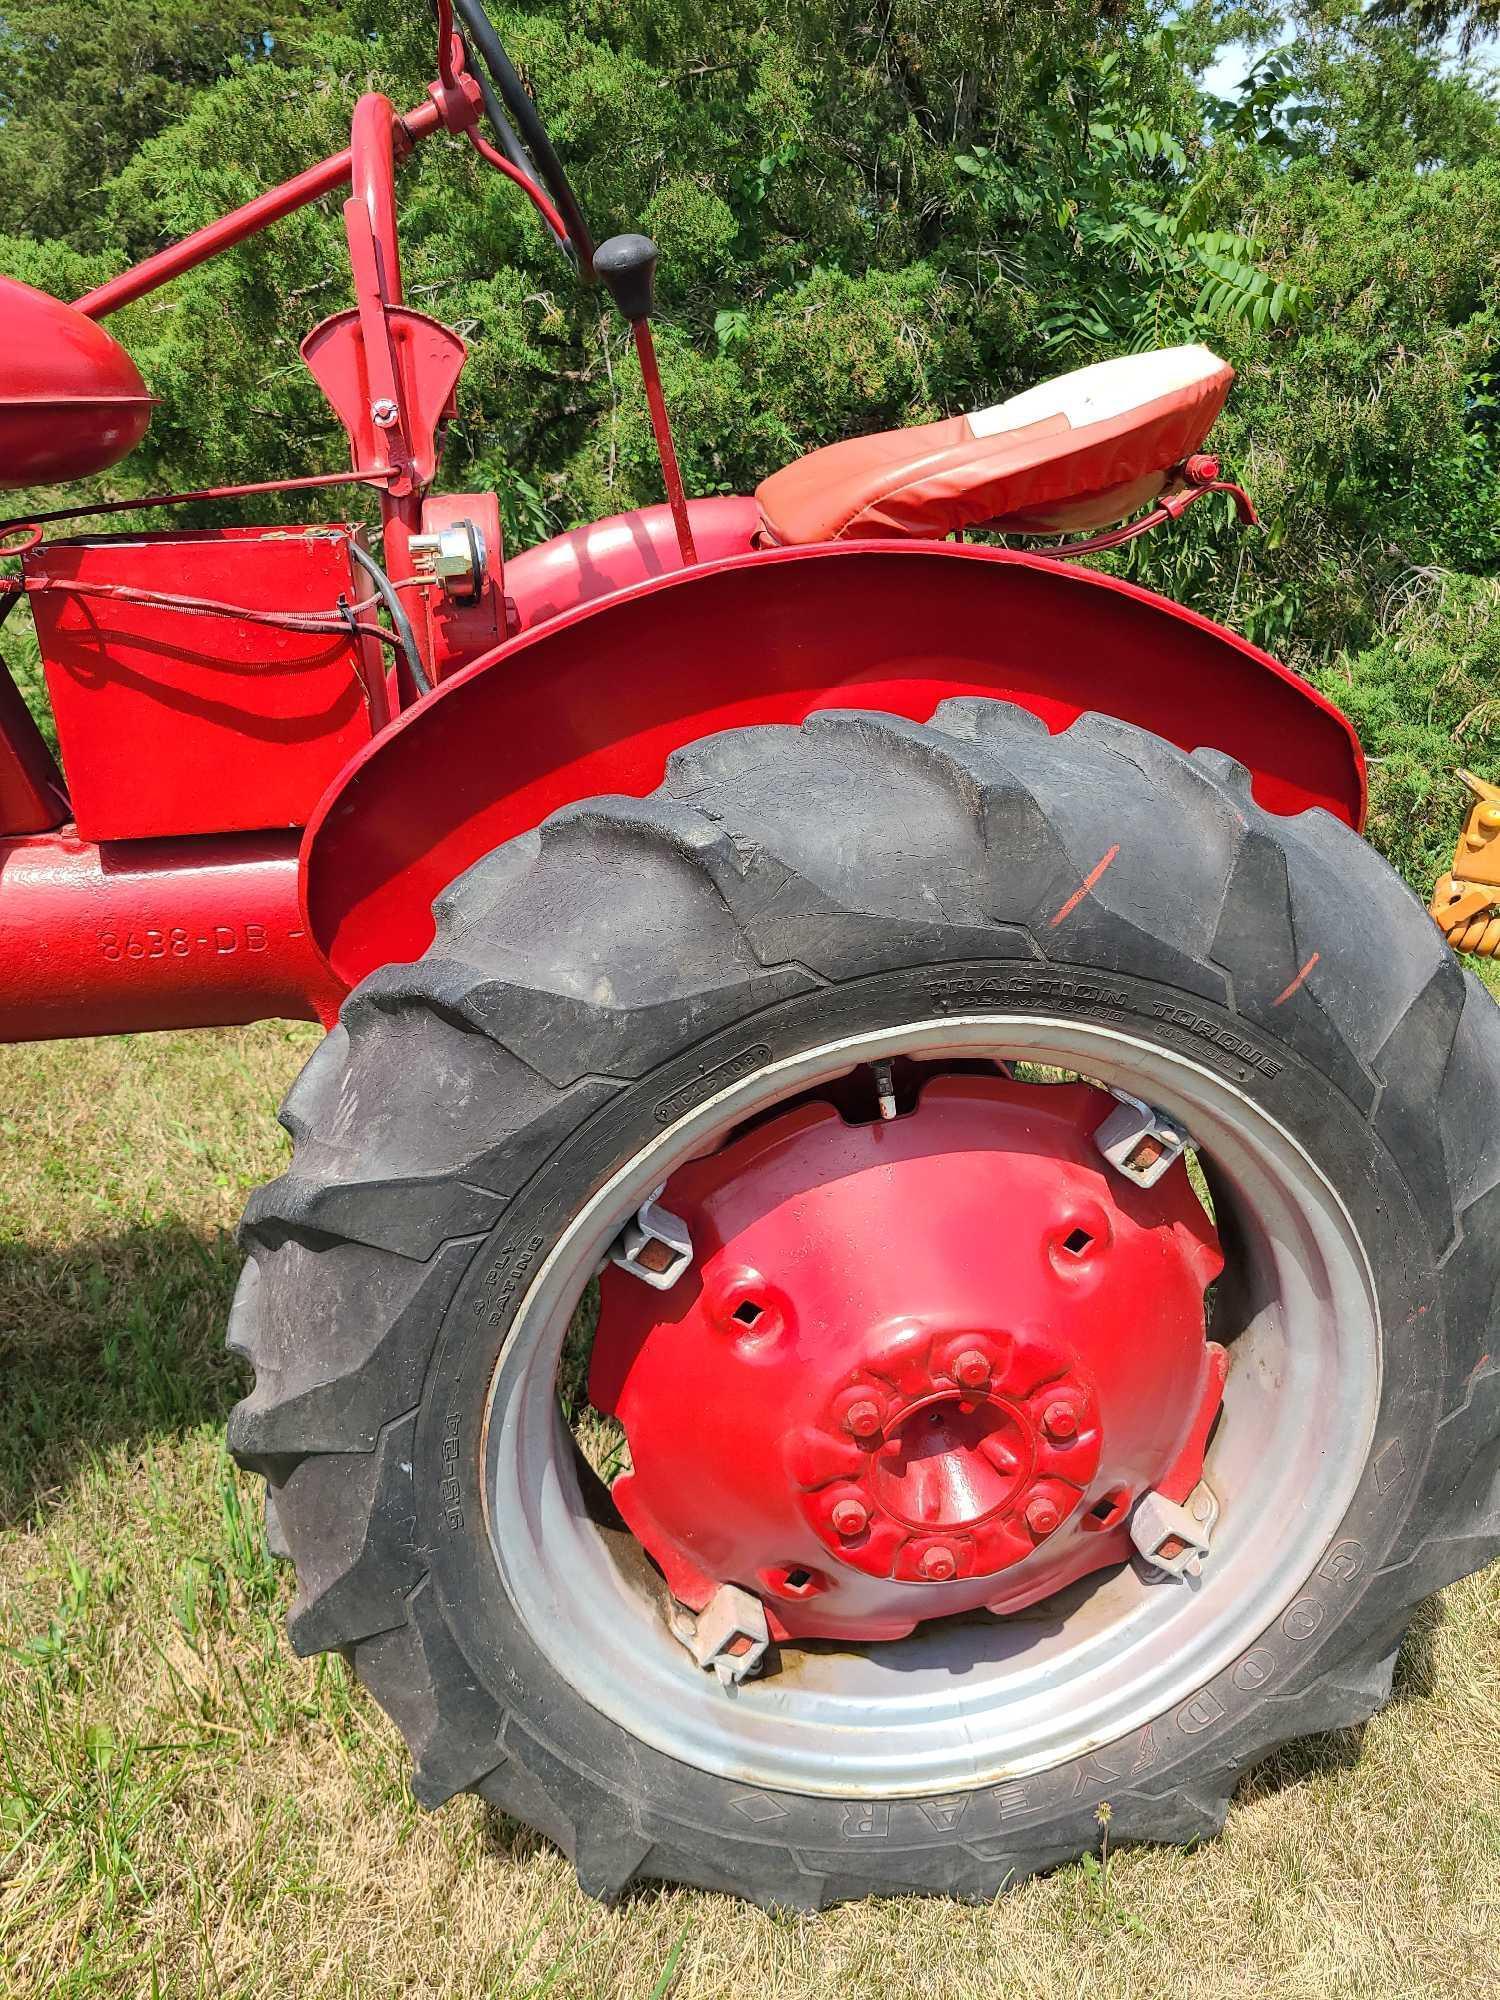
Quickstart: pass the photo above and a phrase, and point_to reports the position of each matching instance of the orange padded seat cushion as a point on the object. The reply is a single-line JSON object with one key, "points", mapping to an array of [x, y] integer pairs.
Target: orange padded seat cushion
{"points": [[1079, 452]]}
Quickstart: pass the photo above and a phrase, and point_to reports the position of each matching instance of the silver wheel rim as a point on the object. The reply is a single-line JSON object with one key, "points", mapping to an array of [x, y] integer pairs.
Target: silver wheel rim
{"points": [[966, 1703]]}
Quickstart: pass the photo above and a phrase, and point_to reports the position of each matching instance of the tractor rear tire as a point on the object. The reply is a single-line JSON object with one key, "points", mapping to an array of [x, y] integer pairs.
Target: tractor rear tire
{"points": [[599, 979]]}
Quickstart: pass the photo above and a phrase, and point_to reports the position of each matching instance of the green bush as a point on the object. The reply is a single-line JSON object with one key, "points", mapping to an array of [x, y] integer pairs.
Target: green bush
{"points": [[1425, 697]]}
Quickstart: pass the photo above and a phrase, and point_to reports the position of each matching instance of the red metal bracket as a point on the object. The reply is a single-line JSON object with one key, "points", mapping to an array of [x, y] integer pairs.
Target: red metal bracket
{"points": [[1201, 475], [418, 361]]}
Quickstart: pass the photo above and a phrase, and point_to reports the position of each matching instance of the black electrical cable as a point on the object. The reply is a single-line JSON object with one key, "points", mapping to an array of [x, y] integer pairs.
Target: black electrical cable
{"points": [[399, 618], [533, 134]]}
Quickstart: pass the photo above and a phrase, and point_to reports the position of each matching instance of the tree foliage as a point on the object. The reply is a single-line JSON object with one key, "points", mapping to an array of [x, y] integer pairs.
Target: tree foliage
{"points": [[1470, 20], [871, 212], [82, 87]]}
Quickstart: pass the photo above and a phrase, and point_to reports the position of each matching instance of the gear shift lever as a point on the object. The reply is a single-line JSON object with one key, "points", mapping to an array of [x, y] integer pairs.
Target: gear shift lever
{"points": [[627, 264]]}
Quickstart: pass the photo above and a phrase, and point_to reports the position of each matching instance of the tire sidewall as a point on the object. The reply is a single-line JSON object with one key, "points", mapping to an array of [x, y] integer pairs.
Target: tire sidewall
{"points": [[1337, 1609]]}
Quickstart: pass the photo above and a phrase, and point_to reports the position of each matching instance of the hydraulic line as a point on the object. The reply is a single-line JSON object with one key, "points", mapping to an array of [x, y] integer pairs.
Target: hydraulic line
{"points": [[345, 619], [525, 183], [532, 132], [398, 617], [348, 618], [520, 160]]}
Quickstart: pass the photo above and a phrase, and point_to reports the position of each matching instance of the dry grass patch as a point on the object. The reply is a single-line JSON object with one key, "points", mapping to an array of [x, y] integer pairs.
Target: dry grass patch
{"points": [[186, 1810]]}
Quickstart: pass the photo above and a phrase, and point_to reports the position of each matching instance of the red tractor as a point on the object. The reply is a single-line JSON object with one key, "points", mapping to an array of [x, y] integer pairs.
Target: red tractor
{"points": [[896, 1233]]}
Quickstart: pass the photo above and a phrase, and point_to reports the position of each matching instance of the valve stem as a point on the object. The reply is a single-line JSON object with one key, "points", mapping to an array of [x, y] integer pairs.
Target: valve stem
{"points": [[885, 1090]]}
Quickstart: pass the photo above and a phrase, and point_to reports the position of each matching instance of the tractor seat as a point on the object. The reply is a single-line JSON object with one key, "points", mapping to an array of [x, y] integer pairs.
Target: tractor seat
{"points": [[1074, 454]]}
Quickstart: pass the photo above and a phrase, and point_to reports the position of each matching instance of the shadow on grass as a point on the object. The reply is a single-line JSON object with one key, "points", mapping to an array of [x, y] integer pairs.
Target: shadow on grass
{"points": [[117, 1340], [1416, 1679], [1417, 1666]]}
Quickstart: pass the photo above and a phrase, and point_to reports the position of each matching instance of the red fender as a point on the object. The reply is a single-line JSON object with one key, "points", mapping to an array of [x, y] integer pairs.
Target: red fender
{"points": [[595, 700]]}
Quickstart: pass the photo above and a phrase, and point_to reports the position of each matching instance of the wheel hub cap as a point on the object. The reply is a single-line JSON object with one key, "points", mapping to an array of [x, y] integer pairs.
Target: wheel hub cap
{"points": [[917, 1367]]}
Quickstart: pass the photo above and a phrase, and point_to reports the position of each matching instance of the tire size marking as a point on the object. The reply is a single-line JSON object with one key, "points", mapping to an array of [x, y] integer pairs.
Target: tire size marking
{"points": [[707, 1081], [449, 1490]]}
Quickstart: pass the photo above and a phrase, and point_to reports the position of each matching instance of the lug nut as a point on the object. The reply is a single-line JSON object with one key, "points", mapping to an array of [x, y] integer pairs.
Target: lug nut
{"points": [[851, 1517], [1042, 1515], [939, 1564], [863, 1419], [972, 1368], [1059, 1421]]}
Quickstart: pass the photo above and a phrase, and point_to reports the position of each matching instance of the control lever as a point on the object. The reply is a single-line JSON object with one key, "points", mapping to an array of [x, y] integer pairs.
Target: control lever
{"points": [[627, 264]]}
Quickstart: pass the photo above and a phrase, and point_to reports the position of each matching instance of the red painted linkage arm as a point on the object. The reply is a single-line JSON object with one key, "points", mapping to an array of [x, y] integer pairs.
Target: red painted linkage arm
{"points": [[308, 186]]}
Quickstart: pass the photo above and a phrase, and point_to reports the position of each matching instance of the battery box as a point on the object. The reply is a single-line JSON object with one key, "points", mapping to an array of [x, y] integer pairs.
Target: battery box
{"points": [[180, 720]]}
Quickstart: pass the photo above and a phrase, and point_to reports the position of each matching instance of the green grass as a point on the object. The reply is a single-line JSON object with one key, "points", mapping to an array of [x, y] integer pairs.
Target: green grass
{"points": [[186, 1810]]}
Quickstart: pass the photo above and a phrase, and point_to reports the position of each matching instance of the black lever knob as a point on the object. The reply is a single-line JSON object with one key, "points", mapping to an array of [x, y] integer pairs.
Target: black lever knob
{"points": [[627, 264]]}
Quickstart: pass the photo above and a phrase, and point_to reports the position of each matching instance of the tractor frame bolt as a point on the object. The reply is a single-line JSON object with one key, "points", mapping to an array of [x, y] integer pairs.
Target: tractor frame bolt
{"points": [[972, 1368], [862, 1418], [1042, 1516], [1059, 1421], [851, 1517], [384, 412], [938, 1564]]}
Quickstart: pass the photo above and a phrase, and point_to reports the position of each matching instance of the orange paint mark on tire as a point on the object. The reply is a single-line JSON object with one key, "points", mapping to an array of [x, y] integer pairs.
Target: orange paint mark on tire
{"points": [[1084, 887], [1290, 988]]}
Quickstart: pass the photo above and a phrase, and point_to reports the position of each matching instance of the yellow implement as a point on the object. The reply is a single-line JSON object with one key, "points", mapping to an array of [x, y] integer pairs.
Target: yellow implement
{"points": [[1465, 904]]}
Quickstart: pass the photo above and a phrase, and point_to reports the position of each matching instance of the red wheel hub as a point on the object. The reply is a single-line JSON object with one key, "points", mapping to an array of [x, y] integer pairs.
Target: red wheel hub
{"points": [[917, 1366]]}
